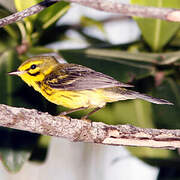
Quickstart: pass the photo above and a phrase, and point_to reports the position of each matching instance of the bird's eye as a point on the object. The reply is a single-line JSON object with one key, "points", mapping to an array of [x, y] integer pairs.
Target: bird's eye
{"points": [[33, 66]]}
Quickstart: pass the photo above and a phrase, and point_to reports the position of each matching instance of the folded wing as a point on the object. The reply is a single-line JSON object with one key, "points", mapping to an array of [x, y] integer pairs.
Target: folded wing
{"points": [[77, 77]]}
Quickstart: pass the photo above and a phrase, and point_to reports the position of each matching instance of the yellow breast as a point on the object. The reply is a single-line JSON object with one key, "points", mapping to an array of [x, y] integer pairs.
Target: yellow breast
{"points": [[76, 99]]}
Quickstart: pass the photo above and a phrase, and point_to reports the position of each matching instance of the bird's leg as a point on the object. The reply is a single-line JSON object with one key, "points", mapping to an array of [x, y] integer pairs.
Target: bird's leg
{"points": [[72, 110], [93, 111]]}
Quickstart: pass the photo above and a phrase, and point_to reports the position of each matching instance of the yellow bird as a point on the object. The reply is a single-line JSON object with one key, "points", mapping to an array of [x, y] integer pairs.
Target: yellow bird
{"points": [[74, 86]]}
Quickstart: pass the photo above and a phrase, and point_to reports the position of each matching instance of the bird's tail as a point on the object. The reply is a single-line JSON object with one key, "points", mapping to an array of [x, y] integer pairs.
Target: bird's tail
{"points": [[118, 94], [137, 95]]}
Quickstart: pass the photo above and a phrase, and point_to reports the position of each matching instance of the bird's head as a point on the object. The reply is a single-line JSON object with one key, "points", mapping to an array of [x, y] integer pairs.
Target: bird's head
{"points": [[36, 68]]}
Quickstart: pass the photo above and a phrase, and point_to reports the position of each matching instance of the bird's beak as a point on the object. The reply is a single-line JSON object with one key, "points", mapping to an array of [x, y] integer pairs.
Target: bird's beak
{"points": [[16, 73]]}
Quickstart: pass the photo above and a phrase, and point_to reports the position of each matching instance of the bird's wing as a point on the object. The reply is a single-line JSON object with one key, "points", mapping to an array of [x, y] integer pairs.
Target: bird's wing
{"points": [[77, 77]]}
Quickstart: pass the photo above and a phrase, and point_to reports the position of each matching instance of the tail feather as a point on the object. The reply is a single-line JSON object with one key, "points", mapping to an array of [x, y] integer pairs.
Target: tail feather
{"points": [[148, 98]]}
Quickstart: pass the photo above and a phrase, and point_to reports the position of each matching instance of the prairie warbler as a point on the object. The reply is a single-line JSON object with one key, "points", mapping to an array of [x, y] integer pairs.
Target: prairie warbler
{"points": [[74, 86]]}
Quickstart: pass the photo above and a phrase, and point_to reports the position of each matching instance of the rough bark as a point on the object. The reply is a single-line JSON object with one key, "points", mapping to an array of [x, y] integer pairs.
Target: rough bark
{"points": [[84, 131]]}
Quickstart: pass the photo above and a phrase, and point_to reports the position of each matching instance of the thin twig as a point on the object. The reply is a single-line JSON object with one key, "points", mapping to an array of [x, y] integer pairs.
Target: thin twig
{"points": [[25, 13], [113, 6], [79, 130]]}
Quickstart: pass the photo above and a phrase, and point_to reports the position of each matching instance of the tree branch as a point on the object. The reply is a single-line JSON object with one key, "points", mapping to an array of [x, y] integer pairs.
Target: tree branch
{"points": [[79, 130], [113, 6], [25, 13]]}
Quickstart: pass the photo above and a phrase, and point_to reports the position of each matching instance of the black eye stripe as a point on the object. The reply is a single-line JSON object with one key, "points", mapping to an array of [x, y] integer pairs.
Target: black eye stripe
{"points": [[34, 74], [29, 68], [32, 67]]}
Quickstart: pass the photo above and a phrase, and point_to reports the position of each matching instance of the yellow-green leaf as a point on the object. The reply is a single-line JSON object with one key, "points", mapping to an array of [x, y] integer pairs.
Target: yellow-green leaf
{"points": [[21, 5], [157, 32], [86, 21], [51, 14]]}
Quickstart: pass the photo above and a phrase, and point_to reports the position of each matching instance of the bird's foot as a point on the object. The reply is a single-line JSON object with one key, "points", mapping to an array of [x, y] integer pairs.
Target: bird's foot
{"points": [[85, 118], [64, 116]]}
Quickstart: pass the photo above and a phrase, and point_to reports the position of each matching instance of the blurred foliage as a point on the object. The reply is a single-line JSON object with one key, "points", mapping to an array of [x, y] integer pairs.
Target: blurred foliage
{"points": [[157, 32], [153, 73]]}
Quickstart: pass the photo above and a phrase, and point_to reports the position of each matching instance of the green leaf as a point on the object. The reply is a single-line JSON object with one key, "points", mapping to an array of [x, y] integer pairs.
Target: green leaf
{"points": [[42, 21], [169, 58], [86, 21], [51, 14], [157, 33], [126, 66], [45, 18]]}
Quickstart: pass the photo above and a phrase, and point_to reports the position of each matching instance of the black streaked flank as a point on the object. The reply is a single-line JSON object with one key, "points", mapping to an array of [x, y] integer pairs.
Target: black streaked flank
{"points": [[38, 83]]}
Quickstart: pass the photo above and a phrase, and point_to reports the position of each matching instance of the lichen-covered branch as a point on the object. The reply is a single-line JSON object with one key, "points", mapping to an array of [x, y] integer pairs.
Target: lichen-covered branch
{"points": [[113, 6], [79, 130]]}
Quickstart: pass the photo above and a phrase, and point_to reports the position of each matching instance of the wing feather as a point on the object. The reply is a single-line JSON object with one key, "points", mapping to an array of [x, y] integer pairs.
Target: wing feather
{"points": [[77, 77]]}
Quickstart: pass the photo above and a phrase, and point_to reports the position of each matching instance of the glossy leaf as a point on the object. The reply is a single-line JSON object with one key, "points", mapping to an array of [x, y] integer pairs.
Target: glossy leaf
{"points": [[156, 32]]}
